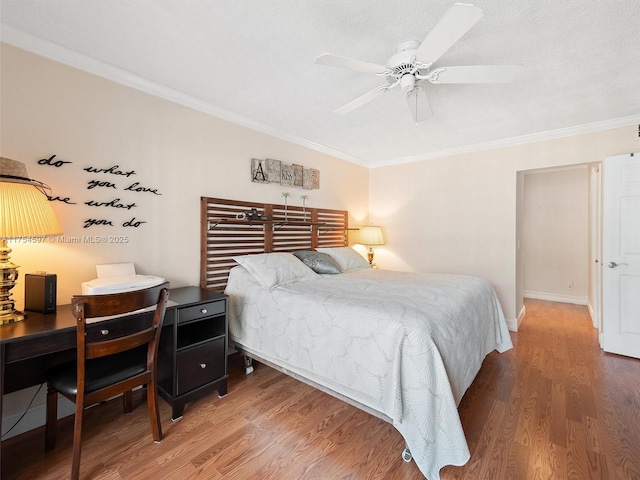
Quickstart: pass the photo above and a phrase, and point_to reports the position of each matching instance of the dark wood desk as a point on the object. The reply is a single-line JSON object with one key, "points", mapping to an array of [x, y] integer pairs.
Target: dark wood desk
{"points": [[41, 341]]}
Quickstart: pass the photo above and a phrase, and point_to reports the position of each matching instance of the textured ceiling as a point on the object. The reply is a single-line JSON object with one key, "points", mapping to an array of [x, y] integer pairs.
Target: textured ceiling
{"points": [[252, 62]]}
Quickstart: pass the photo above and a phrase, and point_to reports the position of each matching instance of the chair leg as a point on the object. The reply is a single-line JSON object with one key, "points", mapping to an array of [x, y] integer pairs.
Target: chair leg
{"points": [[77, 439], [51, 425], [154, 412], [127, 401]]}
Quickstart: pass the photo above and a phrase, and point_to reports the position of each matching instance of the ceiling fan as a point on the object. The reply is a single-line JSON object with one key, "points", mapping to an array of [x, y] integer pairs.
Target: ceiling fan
{"points": [[412, 64]]}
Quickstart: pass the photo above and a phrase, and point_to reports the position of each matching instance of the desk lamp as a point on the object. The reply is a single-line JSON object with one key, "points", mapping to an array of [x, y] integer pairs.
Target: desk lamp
{"points": [[369, 236], [24, 212]]}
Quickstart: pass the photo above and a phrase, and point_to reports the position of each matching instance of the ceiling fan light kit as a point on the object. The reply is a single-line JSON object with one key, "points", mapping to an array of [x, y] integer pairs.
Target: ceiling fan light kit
{"points": [[411, 66]]}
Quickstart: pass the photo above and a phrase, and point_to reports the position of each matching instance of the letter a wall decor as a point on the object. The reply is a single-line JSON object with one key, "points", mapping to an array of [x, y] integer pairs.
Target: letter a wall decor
{"points": [[275, 171]]}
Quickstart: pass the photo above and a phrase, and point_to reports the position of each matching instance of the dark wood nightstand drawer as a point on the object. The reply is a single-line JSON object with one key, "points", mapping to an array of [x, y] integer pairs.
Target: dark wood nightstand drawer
{"points": [[201, 311], [200, 365]]}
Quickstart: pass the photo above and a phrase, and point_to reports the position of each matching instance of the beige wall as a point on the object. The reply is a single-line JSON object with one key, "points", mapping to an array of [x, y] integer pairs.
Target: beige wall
{"points": [[49, 108], [555, 238], [458, 214]]}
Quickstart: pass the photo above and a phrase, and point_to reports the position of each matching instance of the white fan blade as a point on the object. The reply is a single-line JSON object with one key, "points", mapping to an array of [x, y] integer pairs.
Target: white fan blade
{"points": [[419, 104], [360, 101], [344, 62], [478, 74], [453, 25]]}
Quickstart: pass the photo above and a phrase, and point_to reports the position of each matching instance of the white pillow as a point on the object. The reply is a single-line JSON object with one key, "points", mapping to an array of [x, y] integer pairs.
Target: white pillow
{"points": [[347, 258], [273, 269]]}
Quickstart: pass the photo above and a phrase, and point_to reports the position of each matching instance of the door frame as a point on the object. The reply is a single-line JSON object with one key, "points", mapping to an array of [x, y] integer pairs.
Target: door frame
{"points": [[594, 270], [595, 248]]}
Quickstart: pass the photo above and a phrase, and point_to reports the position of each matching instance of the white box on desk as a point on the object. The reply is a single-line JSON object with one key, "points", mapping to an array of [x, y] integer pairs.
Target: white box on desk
{"points": [[118, 278]]}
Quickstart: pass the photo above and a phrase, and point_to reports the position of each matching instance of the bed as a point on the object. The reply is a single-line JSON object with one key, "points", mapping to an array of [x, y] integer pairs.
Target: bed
{"points": [[402, 346]]}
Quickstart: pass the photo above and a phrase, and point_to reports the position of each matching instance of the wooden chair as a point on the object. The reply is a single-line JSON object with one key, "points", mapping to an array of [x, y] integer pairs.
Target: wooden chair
{"points": [[109, 363]]}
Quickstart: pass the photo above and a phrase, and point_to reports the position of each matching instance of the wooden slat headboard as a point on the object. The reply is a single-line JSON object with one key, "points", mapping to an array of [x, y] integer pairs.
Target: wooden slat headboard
{"points": [[227, 233]]}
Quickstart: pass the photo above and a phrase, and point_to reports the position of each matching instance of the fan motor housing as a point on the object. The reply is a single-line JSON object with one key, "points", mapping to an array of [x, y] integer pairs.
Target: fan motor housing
{"points": [[403, 65], [404, 55]]}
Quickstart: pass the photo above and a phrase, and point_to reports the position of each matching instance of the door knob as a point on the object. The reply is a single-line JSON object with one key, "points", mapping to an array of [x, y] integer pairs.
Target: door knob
{"points": [[614, 264]]}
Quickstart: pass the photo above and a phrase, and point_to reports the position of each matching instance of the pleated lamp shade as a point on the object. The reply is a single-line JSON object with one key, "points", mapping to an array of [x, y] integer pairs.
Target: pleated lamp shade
{"points": [[24, 212], [371, 235]]}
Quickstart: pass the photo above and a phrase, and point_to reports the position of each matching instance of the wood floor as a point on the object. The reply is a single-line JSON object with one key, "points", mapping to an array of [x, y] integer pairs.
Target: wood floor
{"points": [[554, 407]]}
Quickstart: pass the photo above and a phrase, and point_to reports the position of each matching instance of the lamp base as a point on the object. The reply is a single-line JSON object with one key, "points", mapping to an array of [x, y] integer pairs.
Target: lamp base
{"points": [[12, 317], [370, 256], [8, 278]]}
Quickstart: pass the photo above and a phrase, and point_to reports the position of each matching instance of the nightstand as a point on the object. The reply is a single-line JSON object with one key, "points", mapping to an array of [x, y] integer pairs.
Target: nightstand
{"points": [[192, 356]]}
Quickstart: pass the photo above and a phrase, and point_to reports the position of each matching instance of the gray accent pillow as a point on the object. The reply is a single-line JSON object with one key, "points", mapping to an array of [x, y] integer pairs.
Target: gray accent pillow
{"points": [[318, 262]]}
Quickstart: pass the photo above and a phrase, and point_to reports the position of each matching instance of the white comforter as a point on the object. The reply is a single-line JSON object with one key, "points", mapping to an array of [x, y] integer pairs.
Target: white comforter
{"points": [[407, 345]]}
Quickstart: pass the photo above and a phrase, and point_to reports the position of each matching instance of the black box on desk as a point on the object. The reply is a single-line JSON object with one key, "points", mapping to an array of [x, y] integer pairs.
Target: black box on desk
{"points": [[40, 292]]}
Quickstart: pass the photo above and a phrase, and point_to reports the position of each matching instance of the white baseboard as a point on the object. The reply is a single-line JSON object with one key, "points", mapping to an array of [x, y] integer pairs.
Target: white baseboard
{"points": [[555, 297], [34, 418], [521, 315], [36, 415], [514, 323], [592, 314]]}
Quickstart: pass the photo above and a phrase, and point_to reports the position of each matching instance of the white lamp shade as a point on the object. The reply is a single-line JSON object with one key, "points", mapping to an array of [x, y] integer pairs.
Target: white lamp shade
{"points": [[371, 235], [25, 212]]}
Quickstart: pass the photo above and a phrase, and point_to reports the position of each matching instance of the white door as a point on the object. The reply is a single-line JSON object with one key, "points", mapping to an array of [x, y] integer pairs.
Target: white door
{"points": [[621, 255]]}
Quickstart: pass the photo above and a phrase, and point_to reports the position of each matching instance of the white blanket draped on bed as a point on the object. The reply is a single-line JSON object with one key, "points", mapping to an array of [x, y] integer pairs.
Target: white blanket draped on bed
{"points": [[407, 345]]}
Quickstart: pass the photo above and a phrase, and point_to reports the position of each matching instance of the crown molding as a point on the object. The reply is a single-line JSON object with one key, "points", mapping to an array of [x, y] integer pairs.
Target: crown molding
{"points": [[82, 62], [509, 142], [74, 59]]}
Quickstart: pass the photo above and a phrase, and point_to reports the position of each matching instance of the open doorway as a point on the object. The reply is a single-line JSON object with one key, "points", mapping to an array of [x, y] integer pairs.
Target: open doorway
{"points": [[554, 228]]}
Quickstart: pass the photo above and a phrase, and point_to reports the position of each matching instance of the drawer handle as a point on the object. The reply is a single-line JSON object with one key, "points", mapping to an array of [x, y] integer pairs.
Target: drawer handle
{"points": [[203, 310], [104, 332], [203, 365]]}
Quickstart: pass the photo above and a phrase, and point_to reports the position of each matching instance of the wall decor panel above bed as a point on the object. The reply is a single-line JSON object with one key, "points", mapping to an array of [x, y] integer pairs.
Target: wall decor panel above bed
{"points": [[230, 228]]}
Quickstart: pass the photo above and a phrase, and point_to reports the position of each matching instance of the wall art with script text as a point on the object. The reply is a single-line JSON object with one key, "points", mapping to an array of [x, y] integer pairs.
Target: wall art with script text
{"points": [[111, 193]]}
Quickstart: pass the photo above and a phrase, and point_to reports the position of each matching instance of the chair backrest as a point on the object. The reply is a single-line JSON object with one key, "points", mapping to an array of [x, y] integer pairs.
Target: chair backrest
{"points": [[91, 306]]}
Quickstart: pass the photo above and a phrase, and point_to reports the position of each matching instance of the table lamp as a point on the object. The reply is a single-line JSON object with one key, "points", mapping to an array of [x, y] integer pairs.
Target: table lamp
{"points": [[369, 236], [24, 212]]}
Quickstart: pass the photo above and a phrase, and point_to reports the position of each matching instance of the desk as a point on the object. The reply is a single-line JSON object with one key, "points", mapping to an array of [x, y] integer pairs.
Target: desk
{"points": [[41, 341]]}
